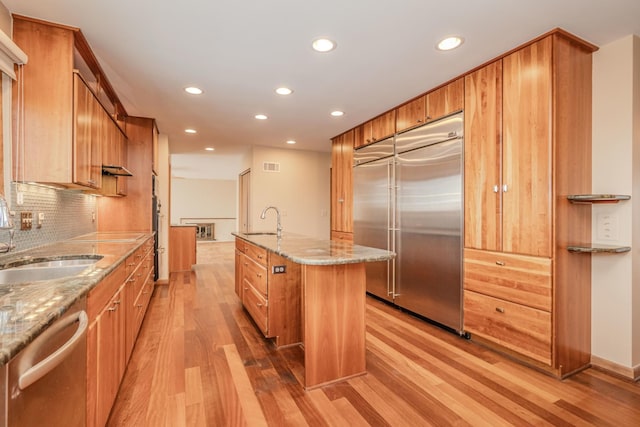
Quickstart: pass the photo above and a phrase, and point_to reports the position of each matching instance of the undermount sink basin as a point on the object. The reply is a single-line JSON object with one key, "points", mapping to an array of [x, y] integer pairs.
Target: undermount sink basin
{"points": [[45, 270]]}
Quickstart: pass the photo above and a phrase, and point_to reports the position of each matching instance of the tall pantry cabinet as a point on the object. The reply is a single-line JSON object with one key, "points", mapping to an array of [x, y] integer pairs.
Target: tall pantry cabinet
{"points": [[528, 146], [342, 186]]}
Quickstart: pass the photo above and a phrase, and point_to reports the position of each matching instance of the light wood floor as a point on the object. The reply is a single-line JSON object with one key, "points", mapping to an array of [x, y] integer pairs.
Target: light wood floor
{"points": [[200, 361]]}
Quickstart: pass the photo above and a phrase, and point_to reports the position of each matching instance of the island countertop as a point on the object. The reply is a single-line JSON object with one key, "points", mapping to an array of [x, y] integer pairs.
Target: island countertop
{"points": [[313, 251]]}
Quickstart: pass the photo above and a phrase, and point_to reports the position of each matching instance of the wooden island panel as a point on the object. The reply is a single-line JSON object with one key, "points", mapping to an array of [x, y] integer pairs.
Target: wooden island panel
{"points": [[334, 322]]}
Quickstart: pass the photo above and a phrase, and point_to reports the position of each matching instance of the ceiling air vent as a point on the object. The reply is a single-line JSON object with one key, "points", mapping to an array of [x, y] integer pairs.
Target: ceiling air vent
{"points": [[270, 167]]}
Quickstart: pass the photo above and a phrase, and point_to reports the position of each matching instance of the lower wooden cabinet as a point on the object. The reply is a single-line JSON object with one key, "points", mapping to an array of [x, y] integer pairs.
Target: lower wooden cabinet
{"points": [[508, 301], [116, 308], [271, 299]]}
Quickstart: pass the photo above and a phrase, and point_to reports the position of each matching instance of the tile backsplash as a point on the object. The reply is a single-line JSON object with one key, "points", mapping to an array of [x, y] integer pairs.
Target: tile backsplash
{"points": [[67, 214]]}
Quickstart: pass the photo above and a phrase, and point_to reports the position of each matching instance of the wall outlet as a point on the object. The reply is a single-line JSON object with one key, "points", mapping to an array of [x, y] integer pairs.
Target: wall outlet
{"points": [[26, 220], [279, 269]]}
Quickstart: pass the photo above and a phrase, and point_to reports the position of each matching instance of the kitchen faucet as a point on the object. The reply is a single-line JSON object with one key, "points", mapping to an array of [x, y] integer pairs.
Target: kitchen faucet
{"points": [[279, 225]]}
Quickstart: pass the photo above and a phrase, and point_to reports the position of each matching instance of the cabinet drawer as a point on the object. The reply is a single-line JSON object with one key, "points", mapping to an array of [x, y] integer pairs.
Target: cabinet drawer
{"points": [[519, 328], [255, 274], [256, 305], [516, 278], [254, 252]]}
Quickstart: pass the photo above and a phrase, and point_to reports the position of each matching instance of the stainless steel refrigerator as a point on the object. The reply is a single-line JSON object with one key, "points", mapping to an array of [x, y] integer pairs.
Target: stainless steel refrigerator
{"points": [[408, 199]]}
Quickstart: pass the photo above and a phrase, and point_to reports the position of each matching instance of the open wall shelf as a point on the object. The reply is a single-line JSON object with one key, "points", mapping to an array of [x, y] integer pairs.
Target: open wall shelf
{"points": [[597, 198]]}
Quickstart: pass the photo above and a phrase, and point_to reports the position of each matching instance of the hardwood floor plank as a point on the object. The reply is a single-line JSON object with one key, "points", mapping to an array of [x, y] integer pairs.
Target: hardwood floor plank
{"points": [[251, 407], [201, 361]]}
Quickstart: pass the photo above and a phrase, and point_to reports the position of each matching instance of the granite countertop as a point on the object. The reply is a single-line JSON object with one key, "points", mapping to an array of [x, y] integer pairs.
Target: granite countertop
{"points": [[33, 306], [313, 251]]}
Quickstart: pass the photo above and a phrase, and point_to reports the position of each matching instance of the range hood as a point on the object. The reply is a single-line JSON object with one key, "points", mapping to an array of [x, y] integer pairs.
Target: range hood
{"points": [[115, 170]]}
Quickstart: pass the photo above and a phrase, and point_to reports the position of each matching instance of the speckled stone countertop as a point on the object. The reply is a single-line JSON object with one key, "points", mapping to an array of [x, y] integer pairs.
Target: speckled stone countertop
{"points": [[29, 308], [312, 251]]}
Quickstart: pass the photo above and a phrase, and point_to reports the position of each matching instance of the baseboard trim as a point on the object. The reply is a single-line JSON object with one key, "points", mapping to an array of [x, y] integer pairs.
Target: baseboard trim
{"points": [[162, 282], [632, 373]]}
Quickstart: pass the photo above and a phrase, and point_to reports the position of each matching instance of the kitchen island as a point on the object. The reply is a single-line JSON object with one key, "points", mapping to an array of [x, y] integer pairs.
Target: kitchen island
{"points": [[309, 292]]}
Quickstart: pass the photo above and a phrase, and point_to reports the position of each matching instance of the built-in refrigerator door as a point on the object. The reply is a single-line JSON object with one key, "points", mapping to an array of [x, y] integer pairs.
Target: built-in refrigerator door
{"points": [[372, 215], [428, 242]]}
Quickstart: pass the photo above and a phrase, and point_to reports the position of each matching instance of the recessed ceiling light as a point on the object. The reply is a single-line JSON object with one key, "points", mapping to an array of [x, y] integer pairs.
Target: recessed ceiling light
{"points": [[323, 45], [261, 117], [291, 142], [337, 113], [193, 90], [210, 149], [190, 131], [450, 43], [284, 91]]}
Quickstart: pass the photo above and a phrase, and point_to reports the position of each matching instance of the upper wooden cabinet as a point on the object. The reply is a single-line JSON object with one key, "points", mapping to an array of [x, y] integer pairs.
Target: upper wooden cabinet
{"points": [[342, 183], [413, 113], [432, 106], [445, 100], [59, 100], [376, 129]]}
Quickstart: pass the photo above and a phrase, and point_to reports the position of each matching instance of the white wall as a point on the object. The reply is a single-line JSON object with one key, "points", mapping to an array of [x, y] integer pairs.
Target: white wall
{"points": [[616, 169], [300, 191], [162, 191], [213, 200]]}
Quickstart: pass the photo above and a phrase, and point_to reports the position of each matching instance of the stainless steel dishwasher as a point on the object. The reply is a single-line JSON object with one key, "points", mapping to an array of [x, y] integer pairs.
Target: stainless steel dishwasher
{"points": [[46, 382]]}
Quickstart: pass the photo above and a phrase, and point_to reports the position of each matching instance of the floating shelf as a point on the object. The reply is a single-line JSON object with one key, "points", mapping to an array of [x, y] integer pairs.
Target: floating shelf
{"points": [[597, 198], [599, 249]]}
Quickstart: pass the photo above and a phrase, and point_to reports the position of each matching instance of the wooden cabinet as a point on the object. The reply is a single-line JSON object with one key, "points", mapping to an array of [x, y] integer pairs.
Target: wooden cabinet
{"points": [[271, 298], [445, 100], [116, 308], [182, 248], [434, 105], [57, 97], [342, 184], [105, 345], [134, 211], [376, 129], [411, 114], [523, 291]]}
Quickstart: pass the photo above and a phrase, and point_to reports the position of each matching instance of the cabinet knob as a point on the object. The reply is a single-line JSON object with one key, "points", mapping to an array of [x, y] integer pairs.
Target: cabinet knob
{"points": [[496, 188], [505, 188], [340, 200], [501, 263], [419, 121], [500, 309]]}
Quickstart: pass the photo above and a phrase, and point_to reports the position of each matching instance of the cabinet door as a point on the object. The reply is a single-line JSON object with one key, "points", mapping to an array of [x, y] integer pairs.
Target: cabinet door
{"points": [[527, 192], [483, 158], [445, 100], [411, 114], [83, 113], [383, 126], [342, 183], [109, 356]]}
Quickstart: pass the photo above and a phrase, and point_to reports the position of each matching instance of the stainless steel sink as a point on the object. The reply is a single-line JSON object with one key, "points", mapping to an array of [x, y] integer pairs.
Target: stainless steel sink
{"points": [[45, 270]]}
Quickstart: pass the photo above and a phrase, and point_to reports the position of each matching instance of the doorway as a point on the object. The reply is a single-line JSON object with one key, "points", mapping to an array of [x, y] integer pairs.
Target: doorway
{"points": [[244, 181]]}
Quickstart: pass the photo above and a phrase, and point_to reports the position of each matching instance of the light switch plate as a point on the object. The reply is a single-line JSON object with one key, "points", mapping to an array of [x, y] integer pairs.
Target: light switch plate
{"points": [[607, 226]]}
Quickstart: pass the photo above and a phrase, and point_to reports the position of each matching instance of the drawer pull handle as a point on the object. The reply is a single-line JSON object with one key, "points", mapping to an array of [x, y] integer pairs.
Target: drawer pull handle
{"points": [[500, 262], [259, 305], [259, 256], [500, 309], [139, 305], [259, 275], [246, 289]]}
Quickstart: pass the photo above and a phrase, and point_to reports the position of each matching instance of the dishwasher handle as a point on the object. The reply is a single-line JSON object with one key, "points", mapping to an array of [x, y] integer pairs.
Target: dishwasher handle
{"points": [[32, 374]]}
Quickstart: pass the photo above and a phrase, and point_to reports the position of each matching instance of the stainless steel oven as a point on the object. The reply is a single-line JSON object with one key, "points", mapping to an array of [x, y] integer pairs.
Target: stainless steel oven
{"points": [[45, 384]]}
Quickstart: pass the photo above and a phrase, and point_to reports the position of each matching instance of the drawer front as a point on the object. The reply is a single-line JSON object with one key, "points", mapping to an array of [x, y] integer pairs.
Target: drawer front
{"points": [[516, 278], [257, 254], [255, 274], [519, 328], [256, 305]]}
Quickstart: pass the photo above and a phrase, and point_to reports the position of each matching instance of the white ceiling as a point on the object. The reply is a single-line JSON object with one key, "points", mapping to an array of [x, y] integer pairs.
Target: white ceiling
{"points": [[239, 51]]}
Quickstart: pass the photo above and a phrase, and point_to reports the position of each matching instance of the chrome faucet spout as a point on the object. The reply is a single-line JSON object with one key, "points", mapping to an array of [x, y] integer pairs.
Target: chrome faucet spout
{"points": [[279, 224]]}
